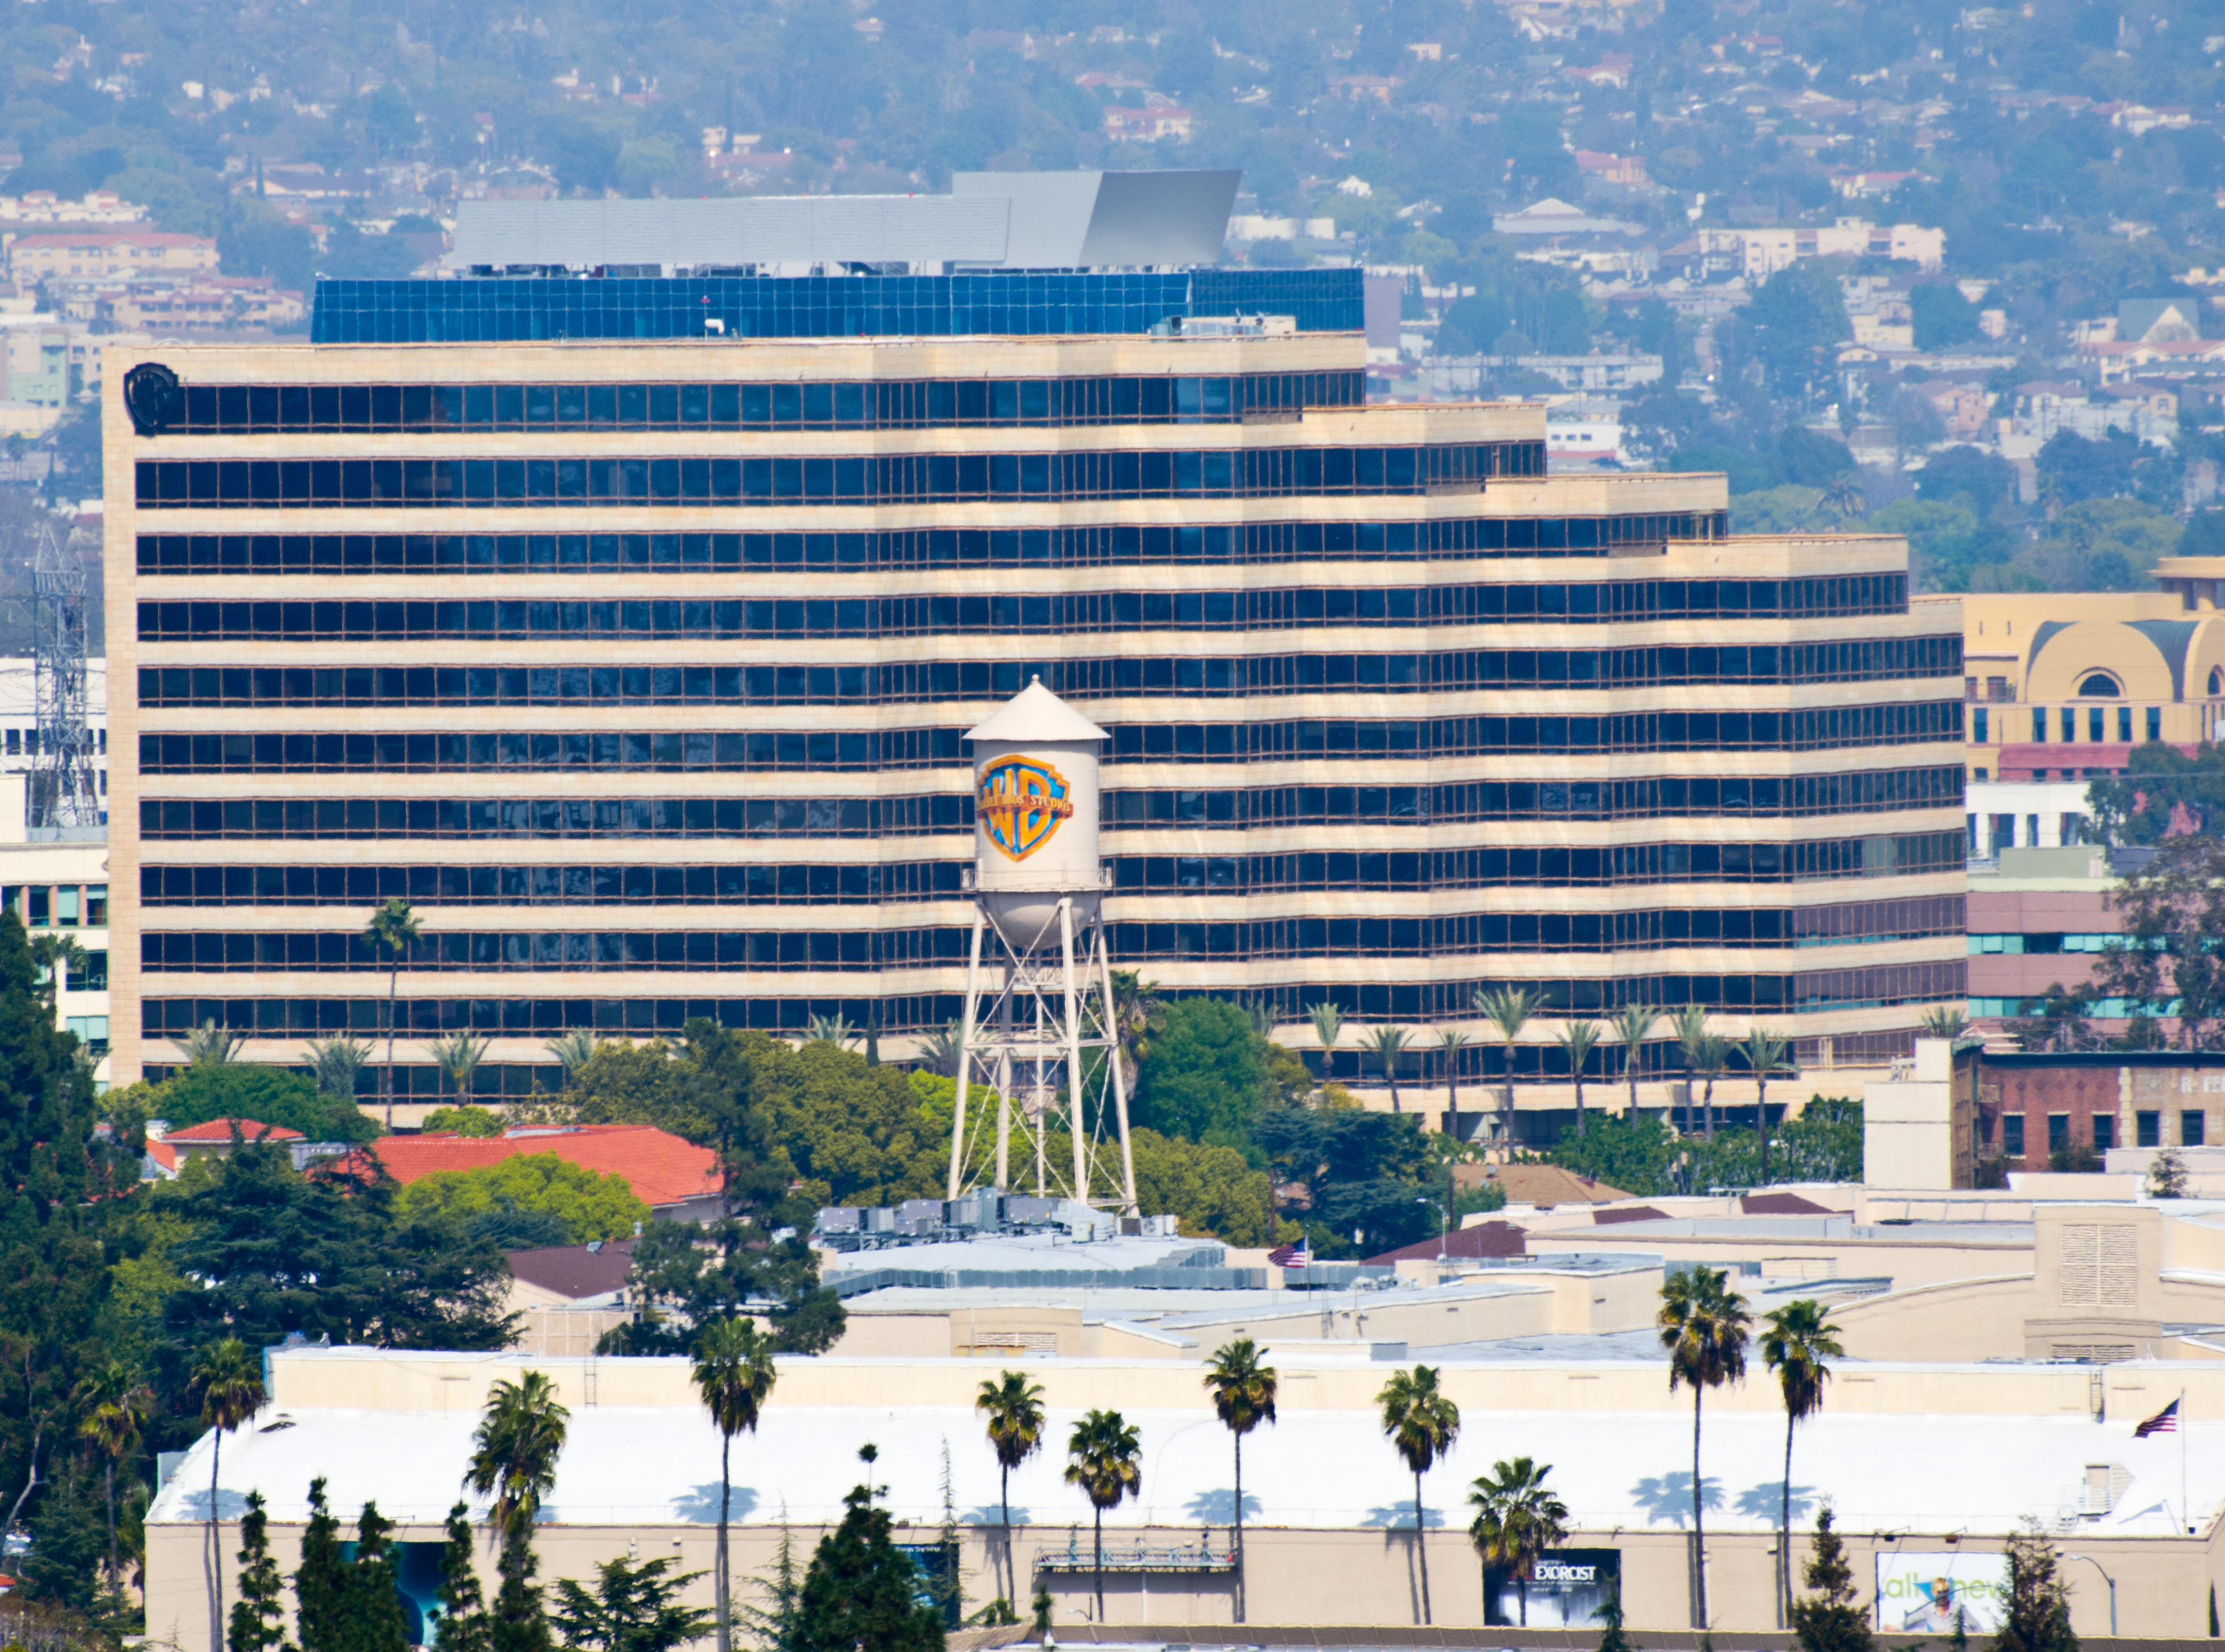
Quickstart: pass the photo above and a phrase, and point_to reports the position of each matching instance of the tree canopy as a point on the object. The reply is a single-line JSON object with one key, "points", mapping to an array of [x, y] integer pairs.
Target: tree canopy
{"points": [[589, 1204]]}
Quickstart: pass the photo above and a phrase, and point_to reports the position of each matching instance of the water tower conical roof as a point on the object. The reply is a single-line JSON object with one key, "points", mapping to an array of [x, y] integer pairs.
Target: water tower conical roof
{"points": [[1036, 714]]}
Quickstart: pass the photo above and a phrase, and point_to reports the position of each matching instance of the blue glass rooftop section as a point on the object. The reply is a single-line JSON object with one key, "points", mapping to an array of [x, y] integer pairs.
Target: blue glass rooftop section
{"points": [[499, 310]]}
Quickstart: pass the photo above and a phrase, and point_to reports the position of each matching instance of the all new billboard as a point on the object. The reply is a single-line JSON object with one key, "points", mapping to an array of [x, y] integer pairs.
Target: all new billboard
{"points": [[1920, 1594]]}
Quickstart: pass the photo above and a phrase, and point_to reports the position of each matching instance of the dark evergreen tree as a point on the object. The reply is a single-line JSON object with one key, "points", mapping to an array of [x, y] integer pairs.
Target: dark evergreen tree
{"points": [[69, 1539], [320, 1585], [258, 1617], [518, 1622], [631, 1609], [1611, 1639], [463, 1626], [1828, 1618], [374, 1592], [773, 1623], [860, 1590], [2038, 1618]]}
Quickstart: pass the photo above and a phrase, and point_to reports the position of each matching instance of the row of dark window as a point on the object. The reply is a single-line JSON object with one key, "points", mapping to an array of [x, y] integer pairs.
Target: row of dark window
{"points": [[900, 404], [876, 479], [899, 881], [1047, 613], [1880, 986], [208, 951], [1105, 546]]}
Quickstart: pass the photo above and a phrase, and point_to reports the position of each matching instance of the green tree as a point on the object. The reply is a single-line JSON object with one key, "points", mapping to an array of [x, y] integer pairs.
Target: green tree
{"points": [[1508, 1010], [515, 1448], [374, 1594], [734, 1375], [519, 1620], [773, 1624], [1798, 1342], [590, 1205], [1452, 1041], [1633, 1153], [1943, 317], [1764, 1053], [1243, 1392], [1329, 1026], [114, 1401], [321, 1583], [458, 1056], [1361, 1171], [2037, 1616], [268, 1095], [1202, 1078], [633, 1608], [573, 1051], [335, 1061], [258, 1617], [463, 1626], [1611, 1639], [228, 1381], [482, 1124], [860, 1590], [392, 931], [1702, 1325], [2169, 958], [1013, 1407], [1577, 1039], [1516, 1520], [1422, 1422], [1103, 1458], [1633, 1025], [1796, 321], [1829, 1618], [1387, 1046]]}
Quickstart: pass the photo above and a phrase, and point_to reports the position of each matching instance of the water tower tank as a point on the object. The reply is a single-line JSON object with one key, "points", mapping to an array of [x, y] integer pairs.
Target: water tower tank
{"points": [[1034, 815]]}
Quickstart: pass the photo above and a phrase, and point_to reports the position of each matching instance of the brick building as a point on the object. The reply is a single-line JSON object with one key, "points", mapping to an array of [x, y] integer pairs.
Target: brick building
{"points": [[2030, 1104]]}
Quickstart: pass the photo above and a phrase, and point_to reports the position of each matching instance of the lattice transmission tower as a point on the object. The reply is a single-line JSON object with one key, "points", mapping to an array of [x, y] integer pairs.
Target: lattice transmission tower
{"points": [[62, 790]]}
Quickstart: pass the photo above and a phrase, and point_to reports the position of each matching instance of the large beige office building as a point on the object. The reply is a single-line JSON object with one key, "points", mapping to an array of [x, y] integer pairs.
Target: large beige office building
{"points": [[636, 656]]}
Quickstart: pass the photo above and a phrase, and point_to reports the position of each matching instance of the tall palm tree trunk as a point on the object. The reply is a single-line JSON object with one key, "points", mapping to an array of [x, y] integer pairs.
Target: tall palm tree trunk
{"points": [[1761, 1112], [1421, 1549], [216, 1549], [1452, 1088], [1100, 1566], [1580, 1130], [1522, 1592], [1390, 1072], [1707, 1108], [1784, 1535], [1239, 1529], [1699, 1530], [1506, 1122], [393, 990], [1012, 1575], [725, 1491]]}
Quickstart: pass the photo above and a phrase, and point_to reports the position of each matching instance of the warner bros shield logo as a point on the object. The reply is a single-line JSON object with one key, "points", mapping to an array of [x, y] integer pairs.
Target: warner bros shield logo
{"points": [[1021, 804]]}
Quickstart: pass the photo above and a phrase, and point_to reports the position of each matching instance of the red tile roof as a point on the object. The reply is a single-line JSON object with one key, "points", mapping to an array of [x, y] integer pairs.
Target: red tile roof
{"points": [[219, 1131], [660, 1167]]}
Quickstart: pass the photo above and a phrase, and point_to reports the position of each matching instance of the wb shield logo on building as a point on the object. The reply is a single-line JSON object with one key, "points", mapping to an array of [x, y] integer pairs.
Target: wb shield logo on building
{"points": [[1021, 804]]}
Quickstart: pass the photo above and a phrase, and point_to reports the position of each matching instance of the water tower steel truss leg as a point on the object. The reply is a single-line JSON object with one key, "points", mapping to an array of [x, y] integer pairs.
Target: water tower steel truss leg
{"points": [[966, 1052], [1075, 1100], [1104, 973]]}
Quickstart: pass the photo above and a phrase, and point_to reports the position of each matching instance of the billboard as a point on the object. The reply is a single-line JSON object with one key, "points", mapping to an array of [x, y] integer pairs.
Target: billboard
{"points": [[1567, 1587], [1920, 1594]]}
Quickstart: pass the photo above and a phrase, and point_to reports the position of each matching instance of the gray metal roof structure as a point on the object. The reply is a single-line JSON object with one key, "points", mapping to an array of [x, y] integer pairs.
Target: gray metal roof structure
{"points": [[1009, 220]]}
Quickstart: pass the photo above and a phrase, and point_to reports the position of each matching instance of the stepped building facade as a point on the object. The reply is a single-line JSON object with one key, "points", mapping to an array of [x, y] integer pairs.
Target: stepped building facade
{"points": [[634, 652]]}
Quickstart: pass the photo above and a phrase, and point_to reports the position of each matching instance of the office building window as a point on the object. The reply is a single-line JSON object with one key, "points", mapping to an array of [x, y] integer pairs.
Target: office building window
{"points": [[2058, 1132], [2097, 722], [2069, 724], [2190, 1127], [39, 904], [2147, 1129], [96, 906], [2040, 724], [66, 905], [2105, 1132], [1978, 731], [2124, 724], [93, 977], [2155, 723], [2004, 833], [2032, 832], [2012, 1136]]}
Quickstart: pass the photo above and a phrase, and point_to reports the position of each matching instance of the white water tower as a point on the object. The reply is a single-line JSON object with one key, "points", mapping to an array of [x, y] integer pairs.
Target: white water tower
{"points": [[1039, 1008]]}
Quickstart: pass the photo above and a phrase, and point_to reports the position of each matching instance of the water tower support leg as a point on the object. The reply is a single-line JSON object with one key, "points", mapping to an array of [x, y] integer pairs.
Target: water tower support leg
{"points": [[1104, 973], [1075, 1106], [965, 1054]]}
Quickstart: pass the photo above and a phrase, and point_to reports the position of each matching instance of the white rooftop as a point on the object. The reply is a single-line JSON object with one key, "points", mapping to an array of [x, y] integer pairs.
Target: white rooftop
{"points": [[1317, 1468]]}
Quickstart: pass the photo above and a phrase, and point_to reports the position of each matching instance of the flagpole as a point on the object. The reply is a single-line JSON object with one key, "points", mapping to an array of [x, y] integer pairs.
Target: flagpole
{"points": [[2186, 1509]]}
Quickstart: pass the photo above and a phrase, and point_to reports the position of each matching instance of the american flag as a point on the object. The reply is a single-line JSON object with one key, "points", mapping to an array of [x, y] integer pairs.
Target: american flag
{"points": [[1290, 1256], [2164, 1422]]}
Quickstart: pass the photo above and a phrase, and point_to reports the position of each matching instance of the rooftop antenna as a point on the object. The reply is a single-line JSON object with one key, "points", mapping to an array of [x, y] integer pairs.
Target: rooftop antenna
{"points": [[63, 797]]}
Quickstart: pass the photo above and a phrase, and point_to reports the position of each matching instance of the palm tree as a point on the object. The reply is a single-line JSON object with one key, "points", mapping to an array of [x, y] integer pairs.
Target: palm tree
{"points": [[1692, 1041], [210, 1045], [1452, 1042], [61, 960], [1945, 1022], [1509, 1011], [1014, 1408], [1797, 1339], [571, 1052], [1516, 1520], [1633, 1027], [734, 1374], [1704, 1325], [335, 1061], [1244, 1393], [228, 1379], [1765, 1053], [1328, 1027], [1101, 1458], [1137, 1007], [939, 1050], [1843, 497], [1388, 1046], [1579, 1038], [515, 1450], [458, 1056], [1714, 1056], [394, 927], [834, 1030], [1422, 1422], [119, 1402]]}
